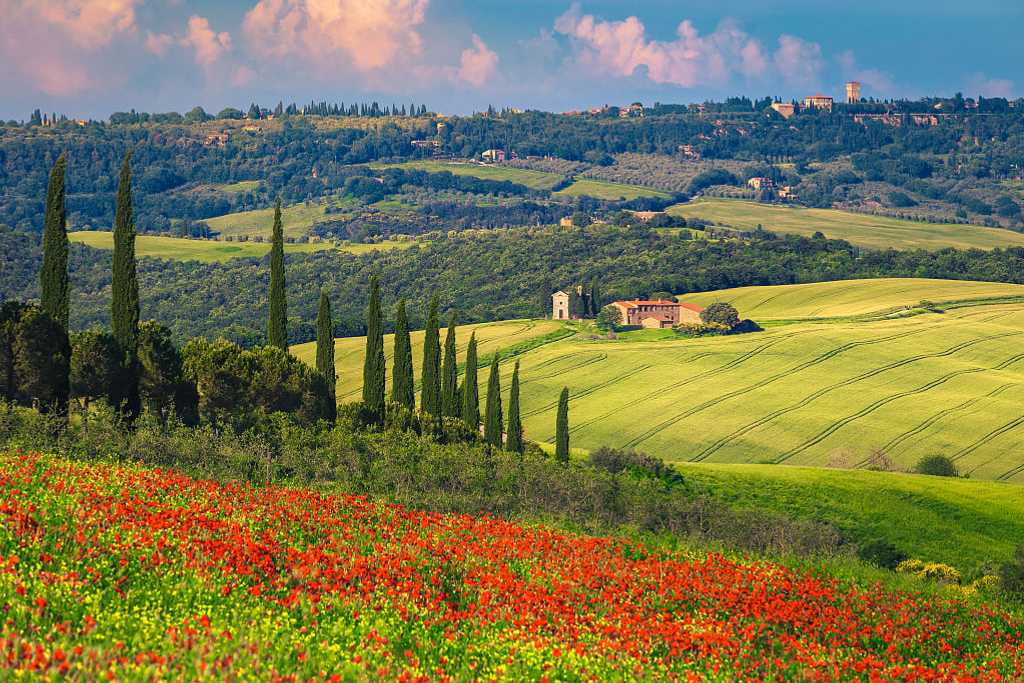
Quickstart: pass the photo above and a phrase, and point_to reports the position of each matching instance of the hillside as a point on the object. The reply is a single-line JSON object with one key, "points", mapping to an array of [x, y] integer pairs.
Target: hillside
{"points": [[864, 230]]}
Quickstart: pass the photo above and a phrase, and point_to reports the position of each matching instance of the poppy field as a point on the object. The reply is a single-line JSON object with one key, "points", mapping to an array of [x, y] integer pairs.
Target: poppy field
{"points": [[127, 573]]}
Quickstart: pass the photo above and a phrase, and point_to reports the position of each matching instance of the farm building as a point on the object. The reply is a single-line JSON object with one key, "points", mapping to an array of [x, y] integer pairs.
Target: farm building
{"points": [[659, 313]]}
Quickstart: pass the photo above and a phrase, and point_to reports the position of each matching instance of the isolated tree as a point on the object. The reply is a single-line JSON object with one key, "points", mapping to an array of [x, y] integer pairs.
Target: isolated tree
{"points": [[562, 427], [42, 360], [160, 374], [492, 414], [373, 365], [721, 313], [470, 389], [325, 350], [95, 364], [514, 440], [450, 374], [10, 314], [595, 298], [277, 322], [53, 276], [430, 391], [609, 318], [403, 389], [124, 294]]}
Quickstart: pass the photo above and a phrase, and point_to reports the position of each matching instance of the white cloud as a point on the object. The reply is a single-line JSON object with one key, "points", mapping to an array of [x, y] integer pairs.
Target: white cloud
{"points": [[478, 64], [798, 61], [876, 80], [980, 84], [207, 45], [158, 43]]}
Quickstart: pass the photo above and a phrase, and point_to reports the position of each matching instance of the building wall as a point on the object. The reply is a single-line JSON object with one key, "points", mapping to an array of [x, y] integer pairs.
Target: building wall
{"points": [[560, 306]]}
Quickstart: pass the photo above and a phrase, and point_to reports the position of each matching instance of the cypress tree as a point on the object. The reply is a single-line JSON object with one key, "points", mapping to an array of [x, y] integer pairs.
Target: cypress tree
{"points": [[402, 386], [470, 390], [515, 424], [277, 322], [373, 366], [53, 276], [492, 416], [450, 374], [325, 350], [562, 427], [430, 392], [124, 292]]}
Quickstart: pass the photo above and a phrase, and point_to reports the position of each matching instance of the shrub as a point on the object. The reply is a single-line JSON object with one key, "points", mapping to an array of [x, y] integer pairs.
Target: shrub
{"points": [[936, 466], [934, 571], [721, 313], [879, 461], [609, 318], [615, 461], [882, 554], [1011, 574]]}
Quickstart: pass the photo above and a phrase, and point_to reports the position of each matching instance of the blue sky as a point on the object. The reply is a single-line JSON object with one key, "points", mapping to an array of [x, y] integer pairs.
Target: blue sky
{"points": [[92, 57]]}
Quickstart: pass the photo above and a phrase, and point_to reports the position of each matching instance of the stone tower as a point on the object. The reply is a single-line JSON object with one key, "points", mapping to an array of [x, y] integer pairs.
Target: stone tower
{"points": [[852, 92]]}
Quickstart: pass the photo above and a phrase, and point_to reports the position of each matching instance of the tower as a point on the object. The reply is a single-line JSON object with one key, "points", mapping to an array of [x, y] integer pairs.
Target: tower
{"points": [[852, 92]]}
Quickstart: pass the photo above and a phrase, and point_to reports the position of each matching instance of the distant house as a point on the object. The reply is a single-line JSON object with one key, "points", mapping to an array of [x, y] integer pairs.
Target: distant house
{"points": [[657, 313], [820, 102], [786, 192], [565, 221], [761, 183], [559, 306], [493, 155], [689, 151], [635, 110], [784, 109]]}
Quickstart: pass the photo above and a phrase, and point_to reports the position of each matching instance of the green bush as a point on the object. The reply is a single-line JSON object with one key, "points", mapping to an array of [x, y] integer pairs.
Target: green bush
{"points": [[1011, 574], [881, 553], [936, 466]]}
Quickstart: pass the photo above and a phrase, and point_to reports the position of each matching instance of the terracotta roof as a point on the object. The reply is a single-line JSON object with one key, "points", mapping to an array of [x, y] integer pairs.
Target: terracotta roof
{"points": [[642, 302], [692, 307]]}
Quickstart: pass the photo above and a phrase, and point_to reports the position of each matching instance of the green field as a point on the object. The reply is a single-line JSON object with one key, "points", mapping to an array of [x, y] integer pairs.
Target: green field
{"points": [[538, 180], [872, 232], [844, 298], [296, 219], [240, 186], [210, 251], [603, 189], [914, 512]]}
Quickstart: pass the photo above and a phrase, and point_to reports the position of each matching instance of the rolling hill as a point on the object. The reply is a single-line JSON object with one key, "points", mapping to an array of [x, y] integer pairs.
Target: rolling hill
{"points": [[864, 230], [538, 180], [812, 392]]}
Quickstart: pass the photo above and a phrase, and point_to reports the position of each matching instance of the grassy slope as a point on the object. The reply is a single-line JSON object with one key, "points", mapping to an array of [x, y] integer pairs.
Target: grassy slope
{"points": [[296, 220], [538, 180], [603, 189], [210, 251], [874, 232], [848, 297], [916, 513]]}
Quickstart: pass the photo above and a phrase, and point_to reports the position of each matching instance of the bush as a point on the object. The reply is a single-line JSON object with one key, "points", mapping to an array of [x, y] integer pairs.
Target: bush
{"points": [[1011, 574], [936, 466], [609, 318], [882, 554], [616, 461], [721, 313], [934, 571]]}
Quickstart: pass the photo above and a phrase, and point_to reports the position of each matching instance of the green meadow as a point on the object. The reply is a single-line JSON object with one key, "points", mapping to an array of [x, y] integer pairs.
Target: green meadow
{"points": [[538, 180], [603, 189], [296, 220], [872, 232]]}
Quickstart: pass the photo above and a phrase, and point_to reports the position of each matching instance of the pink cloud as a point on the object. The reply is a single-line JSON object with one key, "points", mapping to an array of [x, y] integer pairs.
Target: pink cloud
{"points": [[798, 61], [478, 64], [158, 43], [878, 81], [990, 87], [207, 45]]}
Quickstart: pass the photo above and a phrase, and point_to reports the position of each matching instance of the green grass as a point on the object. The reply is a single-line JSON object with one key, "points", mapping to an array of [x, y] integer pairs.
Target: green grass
{"points": [[538, 180], [296, 219], [239, 187], [960, 522], [603, 189], [210, 251], [873, 232]]}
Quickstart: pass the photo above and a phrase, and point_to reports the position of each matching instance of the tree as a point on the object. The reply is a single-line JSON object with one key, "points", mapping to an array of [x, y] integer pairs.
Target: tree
{"points": [[10, 314], [402, 387], [430, 391], [595, 298], [937, 466], [492, 414], [42, 360], [609, 318], [470, 389], [450, 374], [721, 313], [562, 427], [53, 276], [374, 370], [160, 374], [325, 350], [277, 322], [95, 364], [124, 293], [514, 440]]}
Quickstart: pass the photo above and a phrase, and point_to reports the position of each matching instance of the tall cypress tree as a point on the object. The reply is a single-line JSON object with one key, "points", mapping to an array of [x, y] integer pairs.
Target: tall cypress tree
{"points": [[450, 374], [562, 427], [53, 276], [277, 321], [124, 294], [492, 416], [325, 350], [403, 386], [430, 391], [514, 440], [470, 390], [373, 365]]}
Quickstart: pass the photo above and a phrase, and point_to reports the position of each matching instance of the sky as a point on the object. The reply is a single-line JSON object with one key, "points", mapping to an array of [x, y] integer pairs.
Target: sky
{"points": [[89, 58]]}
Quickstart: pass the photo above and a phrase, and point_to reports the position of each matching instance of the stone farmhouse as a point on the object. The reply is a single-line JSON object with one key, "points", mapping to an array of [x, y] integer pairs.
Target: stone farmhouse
{"points": [[658, 313]]}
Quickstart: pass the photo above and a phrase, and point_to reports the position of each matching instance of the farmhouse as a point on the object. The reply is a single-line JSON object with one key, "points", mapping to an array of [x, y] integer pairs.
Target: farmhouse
{"points": [[493, 155], [658, 313]]}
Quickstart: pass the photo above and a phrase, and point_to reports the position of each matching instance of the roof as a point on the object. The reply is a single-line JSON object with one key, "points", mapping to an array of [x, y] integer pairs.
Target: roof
{"points": [[641, 302], [696, 308]]}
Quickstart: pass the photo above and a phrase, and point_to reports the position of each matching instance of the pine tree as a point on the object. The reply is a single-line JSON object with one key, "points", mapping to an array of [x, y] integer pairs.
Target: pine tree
{"points": [[53, 276], [277, 322], [470, 390], [492, 414], [325, 350], [373, 366], [124, 293], [450, 374], [562, 427], [402, 385], [595, 298], [514, 440], [430, 391]]}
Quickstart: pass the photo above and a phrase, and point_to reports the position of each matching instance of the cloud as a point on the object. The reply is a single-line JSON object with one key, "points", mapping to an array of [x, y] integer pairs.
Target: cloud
{"points": [[369, 34], [207, 45], [878, 81], [52, 46], [621, 48], [990, 87], [478, 64], [158, 43]]}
